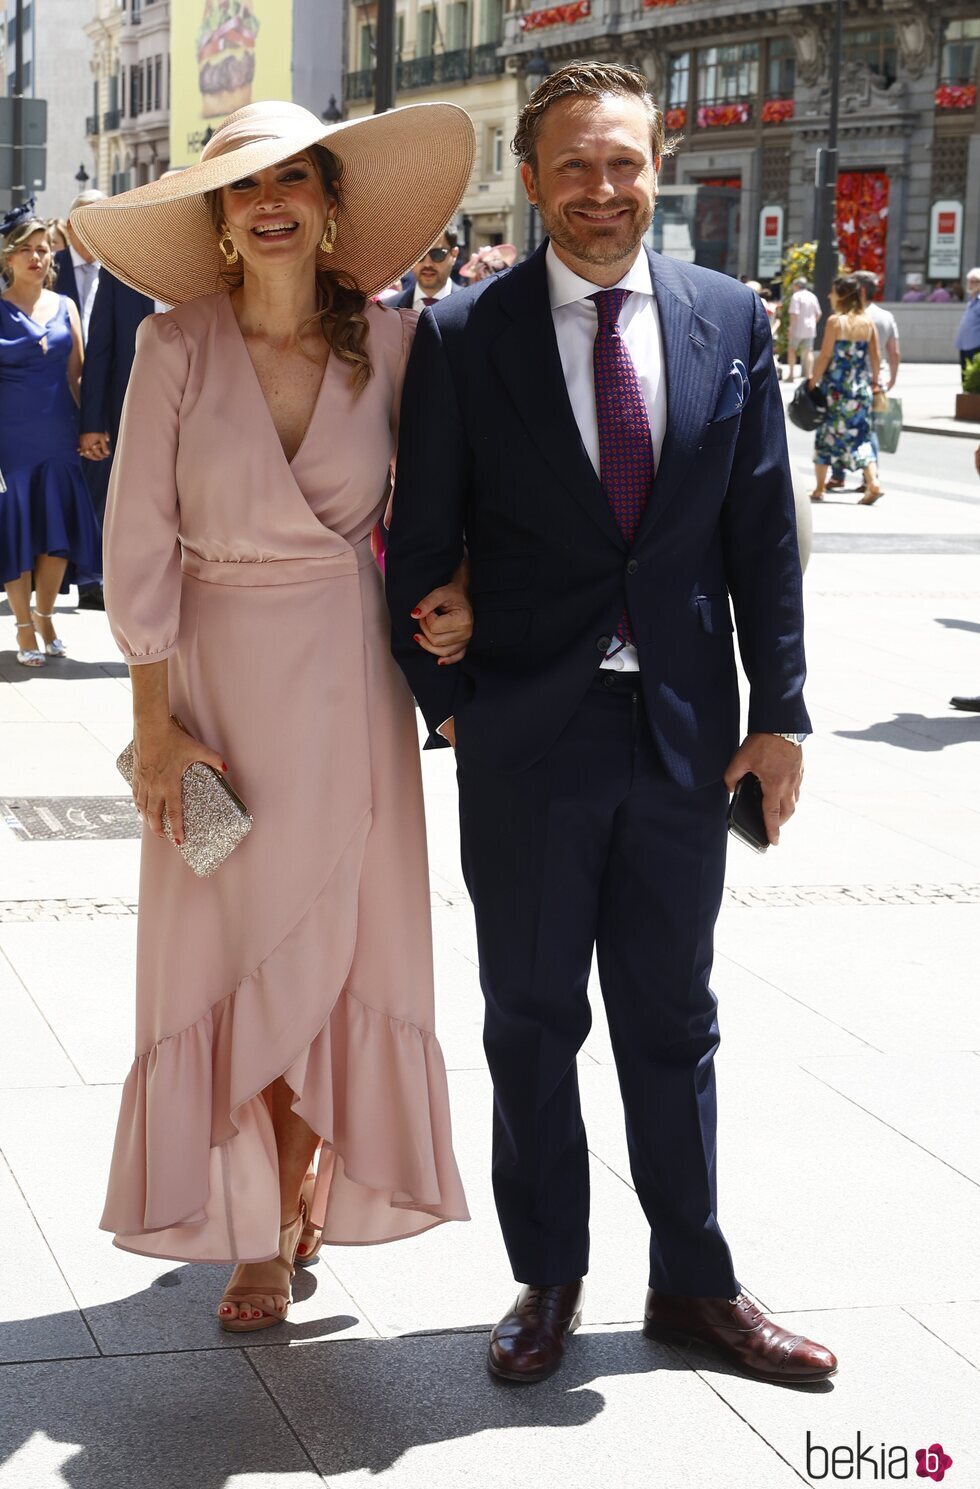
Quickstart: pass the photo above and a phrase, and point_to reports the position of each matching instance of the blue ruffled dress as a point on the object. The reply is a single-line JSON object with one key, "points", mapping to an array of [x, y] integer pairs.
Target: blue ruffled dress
{"points": [[46, 507]]}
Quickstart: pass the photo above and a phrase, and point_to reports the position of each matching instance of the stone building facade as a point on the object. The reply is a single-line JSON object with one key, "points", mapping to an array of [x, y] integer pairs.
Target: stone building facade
{"points": [[451, 51], [129, 126], [55, 69], [747, 84]]}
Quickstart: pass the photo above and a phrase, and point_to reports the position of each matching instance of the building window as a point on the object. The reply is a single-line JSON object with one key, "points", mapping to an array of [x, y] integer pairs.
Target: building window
{"points": [[458, 26], [158, 82], [678, 80], [495, 150], [875, 47], [959, 59], [134, 92], [366, 61], [730, 72], [148, 86], [492, 22], [425, 33], [781, 73]]}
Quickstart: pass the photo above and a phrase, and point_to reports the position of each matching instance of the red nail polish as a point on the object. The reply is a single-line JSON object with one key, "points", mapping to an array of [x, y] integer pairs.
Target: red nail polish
{"points": [[416, 613], [416, 637], [224, 767]]}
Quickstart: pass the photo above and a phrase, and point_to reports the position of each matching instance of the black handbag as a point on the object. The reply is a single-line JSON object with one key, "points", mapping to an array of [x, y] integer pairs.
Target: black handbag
{"points": [[806, 407]]}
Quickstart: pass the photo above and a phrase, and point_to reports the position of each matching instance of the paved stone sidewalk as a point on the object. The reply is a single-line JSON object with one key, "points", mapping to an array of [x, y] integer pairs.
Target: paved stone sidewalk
{"points": [[849, 1153]]}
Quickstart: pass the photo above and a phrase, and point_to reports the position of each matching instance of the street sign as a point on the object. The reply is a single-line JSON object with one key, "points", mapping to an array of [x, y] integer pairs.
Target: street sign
{"points": [[34, 113], [770, 242], [945, 240]]}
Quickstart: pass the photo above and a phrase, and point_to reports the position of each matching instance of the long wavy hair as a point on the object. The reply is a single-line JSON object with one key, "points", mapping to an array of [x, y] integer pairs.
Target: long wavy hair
{"points": [[341, 304]]}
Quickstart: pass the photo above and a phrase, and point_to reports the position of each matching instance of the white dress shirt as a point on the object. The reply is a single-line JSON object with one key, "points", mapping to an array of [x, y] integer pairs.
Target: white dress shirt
{"points": [[576, 322], [86, 282], [421, 295]]}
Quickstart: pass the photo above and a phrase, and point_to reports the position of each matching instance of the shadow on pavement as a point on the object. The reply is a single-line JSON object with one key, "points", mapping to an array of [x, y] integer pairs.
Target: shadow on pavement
{"points": [[62, 669], [916, 731], [173, 1417], [953, 624]]}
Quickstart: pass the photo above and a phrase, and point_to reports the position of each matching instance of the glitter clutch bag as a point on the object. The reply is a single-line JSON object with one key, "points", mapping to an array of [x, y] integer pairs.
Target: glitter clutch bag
{"points": [[215, 817]]}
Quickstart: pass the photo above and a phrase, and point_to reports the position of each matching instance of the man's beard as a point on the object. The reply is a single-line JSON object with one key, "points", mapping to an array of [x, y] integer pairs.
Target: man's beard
{"points": [[597, 247]]}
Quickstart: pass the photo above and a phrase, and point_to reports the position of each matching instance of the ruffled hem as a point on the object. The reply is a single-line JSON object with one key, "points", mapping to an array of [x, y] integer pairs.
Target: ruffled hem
{"points": [[194, 1172], [47, 509]]}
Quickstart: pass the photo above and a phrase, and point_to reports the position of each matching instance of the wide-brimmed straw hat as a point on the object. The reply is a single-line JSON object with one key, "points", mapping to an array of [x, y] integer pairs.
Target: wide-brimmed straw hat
{"points": [[402, 177]]}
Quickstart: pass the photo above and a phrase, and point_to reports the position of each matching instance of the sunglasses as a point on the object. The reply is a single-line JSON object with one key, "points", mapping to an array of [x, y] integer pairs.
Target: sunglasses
{"points": [[436, 255]]}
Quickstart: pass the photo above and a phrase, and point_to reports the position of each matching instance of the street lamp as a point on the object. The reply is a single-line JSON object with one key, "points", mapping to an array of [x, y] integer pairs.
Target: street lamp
{"points": [[825, 262], [536, 71], [81, 176], [331, 114], [384, 67]]}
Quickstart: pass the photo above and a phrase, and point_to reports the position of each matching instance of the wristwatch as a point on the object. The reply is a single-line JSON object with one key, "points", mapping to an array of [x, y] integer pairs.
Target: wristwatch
{"points": [[796, 739]]}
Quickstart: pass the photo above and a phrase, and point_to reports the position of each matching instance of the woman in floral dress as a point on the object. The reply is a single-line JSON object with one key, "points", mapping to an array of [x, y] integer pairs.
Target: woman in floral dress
{"points": [[847, 368]]}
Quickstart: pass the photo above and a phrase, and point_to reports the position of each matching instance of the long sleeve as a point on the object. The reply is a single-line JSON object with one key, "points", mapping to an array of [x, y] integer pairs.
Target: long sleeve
{"points": [[142, 550]]}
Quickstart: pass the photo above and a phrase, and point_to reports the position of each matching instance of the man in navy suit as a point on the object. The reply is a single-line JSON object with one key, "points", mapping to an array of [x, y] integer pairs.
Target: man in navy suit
{"points": [[116, 317], [77, 275], [432, 275], [611, 454]]}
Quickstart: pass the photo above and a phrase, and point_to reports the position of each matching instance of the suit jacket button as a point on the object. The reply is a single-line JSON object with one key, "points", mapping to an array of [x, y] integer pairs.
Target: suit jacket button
{"points": [[603, 644], [632, 566]]}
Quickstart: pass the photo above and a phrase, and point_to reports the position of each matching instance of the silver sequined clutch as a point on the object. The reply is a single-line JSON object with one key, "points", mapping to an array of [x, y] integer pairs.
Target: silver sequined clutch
{"points": [[215, 817]]}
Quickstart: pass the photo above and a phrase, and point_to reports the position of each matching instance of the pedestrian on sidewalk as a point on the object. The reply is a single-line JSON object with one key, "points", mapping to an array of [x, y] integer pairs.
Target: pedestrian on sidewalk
{"points": [[968, 331], [607, 519], [804, 316], [848, 368], [46, 515], [889, 349], [286, 1005], [432, 275]]}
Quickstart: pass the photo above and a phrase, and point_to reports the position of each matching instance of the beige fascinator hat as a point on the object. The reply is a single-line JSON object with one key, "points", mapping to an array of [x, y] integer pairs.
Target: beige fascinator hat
{"points": [[402, 177]]}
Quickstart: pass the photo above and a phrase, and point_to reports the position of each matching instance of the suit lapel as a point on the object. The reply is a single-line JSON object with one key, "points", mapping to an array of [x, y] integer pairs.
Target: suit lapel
{"points": [[526, 355], [690, 348]]}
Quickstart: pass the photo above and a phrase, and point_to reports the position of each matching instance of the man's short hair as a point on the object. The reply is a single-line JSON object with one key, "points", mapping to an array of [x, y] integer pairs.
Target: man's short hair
{"points": [[451, 237], [592, 80], [867, 281], [84, 198], [801, 283]]}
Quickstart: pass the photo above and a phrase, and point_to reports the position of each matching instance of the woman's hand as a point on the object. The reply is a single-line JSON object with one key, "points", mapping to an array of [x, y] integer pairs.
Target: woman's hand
{"points": [[93, 446], [163, 751], [445, 619]]}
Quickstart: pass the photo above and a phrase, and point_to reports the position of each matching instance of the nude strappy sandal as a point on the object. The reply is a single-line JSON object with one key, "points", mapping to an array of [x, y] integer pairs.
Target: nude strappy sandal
{"points": [[312, 1238], [264, 1309]]}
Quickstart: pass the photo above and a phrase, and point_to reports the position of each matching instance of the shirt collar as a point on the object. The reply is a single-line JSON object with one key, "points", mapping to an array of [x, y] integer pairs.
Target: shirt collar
{"points": [[78, 262], [421, 294], [565, 287]]}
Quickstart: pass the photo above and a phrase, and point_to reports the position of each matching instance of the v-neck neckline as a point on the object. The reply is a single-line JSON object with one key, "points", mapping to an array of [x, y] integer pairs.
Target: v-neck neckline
{"points": [[290, 463], [42, 326]]}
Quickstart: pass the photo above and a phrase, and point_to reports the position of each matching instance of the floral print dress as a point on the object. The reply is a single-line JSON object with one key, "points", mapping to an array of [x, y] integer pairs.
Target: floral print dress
{"points": [[844, 436]]}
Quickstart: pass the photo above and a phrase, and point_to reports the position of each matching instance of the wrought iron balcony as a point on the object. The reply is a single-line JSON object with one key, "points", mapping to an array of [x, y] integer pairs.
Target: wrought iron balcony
{"points": [[359, 85], [110, 120], [486, 63], [92, 124]]}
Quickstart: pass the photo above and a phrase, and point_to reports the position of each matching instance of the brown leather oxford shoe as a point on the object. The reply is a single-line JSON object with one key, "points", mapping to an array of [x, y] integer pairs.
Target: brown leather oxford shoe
{"points": [[740, 1331], [528, 1343]]}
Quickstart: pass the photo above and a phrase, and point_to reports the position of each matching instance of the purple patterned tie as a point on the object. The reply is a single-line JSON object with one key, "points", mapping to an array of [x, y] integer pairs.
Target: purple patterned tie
{"points": [[625, 450]]}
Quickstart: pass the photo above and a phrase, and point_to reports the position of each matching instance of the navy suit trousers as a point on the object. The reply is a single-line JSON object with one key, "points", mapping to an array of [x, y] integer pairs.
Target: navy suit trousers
{"points": [[595, 847]]}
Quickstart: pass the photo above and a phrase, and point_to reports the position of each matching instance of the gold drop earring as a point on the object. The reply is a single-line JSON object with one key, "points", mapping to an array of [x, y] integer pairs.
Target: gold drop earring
{"points": [[229, 253], [329, 236]]}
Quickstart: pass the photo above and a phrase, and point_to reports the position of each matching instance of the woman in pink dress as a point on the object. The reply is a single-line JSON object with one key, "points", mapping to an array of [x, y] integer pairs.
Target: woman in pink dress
{"points": [[285, 1005]]}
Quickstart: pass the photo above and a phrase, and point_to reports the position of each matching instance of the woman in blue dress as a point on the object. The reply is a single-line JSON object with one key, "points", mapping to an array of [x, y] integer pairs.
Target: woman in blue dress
{"points": [[46, 514], [848, 368]]}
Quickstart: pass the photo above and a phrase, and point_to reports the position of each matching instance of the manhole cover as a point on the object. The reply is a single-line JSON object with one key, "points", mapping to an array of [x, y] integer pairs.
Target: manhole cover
{"points": [[44, 819]]}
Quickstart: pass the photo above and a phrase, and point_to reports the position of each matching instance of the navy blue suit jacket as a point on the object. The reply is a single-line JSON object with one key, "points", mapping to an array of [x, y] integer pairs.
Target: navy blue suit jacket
{"points": [[502, 471], [64, 275], [116, 317]]}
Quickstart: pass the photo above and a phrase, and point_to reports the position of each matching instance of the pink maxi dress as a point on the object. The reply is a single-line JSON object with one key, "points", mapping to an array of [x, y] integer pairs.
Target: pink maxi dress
{"points": [[308, 954]]}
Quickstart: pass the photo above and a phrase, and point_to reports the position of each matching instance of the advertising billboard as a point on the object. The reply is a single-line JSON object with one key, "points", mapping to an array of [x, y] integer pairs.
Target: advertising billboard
{"points": [[223, 55]]}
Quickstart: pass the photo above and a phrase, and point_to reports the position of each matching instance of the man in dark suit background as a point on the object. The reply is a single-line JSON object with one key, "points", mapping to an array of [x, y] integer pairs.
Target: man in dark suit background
{"points": [[116, 317], [432, 275], [77, 275], [611, 454]]}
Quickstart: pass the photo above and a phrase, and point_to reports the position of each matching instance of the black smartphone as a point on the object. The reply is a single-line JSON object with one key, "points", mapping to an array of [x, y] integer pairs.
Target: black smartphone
{"points": [[745, 819]]}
